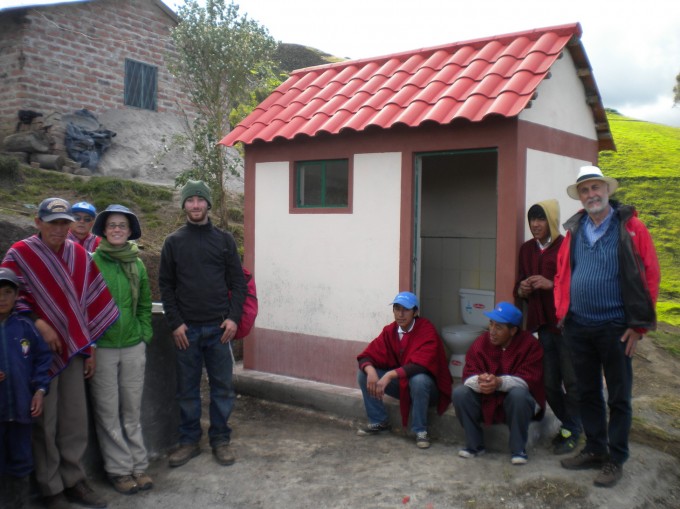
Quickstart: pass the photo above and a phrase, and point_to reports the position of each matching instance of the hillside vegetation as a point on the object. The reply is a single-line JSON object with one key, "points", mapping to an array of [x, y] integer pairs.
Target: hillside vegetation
{"points": [[646, 163], [647, 166]]}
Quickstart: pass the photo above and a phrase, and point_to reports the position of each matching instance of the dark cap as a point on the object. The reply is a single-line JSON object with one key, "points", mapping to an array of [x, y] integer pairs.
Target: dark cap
{"points": [[195, 188], [51, 209], [100, 222], [9, 275]]}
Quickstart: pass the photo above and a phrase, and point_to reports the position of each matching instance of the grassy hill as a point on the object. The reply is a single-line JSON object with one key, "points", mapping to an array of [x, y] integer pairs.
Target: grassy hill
{"points": [[647, 166]]}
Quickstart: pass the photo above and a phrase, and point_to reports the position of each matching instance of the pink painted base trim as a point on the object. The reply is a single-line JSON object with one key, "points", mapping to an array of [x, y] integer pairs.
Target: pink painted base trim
{"points": [[320, 359]]}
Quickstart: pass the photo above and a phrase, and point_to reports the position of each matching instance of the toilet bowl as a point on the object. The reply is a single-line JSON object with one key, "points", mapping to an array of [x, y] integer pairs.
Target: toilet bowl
{"points": [[459, 337]]}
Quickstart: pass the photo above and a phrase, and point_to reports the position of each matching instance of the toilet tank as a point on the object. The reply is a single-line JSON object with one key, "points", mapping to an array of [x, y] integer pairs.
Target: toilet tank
{"points": [[473, 304]]}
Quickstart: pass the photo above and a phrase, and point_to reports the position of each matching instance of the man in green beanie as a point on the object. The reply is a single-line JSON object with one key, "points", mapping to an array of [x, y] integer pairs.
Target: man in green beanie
{"points": [[200, 267]]}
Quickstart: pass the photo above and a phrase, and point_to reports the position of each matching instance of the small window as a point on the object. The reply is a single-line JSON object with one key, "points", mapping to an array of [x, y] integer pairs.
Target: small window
{"points": [[322, 184], [141, 85]]}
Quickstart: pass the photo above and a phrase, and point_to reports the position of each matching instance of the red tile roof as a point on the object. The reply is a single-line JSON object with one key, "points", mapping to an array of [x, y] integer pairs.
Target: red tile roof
{"points": [[472, 80]]}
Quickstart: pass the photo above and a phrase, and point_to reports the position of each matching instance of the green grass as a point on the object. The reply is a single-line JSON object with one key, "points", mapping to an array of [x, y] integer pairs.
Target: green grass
{"points": [[100, 191], [647, 166], [667, 340]]}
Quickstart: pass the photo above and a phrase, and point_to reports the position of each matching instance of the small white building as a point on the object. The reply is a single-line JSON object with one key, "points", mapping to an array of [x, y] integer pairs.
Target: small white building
{"points": [[410, 171]]}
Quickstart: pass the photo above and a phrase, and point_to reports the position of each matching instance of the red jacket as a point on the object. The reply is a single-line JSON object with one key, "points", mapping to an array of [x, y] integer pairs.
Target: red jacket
{"points": [[421, 346], [640, 273]]}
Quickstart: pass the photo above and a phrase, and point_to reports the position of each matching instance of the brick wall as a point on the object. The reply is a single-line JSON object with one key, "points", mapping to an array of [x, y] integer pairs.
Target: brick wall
{"points": [[70, 56]]}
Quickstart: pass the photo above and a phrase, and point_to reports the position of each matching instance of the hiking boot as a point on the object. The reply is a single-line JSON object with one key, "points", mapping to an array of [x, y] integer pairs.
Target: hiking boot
{"points": [[584, 460], [82, 494], [374, 429], [143, 480], [183, 454], [422, 440], [471, 453], [57, 501], [564, 442], [610, 474], [223, 455], [519, 458], [124, 484]]}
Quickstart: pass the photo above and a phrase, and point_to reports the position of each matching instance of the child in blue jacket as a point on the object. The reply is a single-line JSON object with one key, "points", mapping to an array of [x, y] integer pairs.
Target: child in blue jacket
{"points": [[24, 362]]}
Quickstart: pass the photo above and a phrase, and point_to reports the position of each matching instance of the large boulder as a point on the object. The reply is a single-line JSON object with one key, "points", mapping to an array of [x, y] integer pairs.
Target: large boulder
{"points": [[14, 228]]}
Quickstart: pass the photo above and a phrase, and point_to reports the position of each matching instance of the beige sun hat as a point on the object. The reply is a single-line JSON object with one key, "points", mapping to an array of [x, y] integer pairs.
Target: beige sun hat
{"points": [[587, 173]]}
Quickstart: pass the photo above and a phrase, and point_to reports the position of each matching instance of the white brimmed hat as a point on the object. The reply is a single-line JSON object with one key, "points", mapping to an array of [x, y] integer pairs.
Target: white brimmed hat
{"points": [[587, 173]]}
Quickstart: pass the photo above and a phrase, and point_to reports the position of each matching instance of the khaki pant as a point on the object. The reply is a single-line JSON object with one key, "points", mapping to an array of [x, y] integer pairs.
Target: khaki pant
{"points": [[60, 433], [116, 391]]}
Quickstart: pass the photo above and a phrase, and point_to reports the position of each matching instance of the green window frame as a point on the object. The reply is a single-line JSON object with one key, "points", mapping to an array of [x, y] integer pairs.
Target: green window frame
{"points": [[141, 85], [322, 184]]}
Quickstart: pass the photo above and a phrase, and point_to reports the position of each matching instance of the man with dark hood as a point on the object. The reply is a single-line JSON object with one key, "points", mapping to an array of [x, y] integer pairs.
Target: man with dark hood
{"points": [[537, 267]]}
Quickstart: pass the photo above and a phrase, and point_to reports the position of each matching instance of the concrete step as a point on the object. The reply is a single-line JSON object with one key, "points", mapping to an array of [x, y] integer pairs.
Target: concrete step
{"points": [[347, 403]]}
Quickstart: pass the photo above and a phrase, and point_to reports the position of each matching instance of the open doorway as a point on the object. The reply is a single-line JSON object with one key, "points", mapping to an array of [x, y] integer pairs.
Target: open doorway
{"points": [[455, 229]]}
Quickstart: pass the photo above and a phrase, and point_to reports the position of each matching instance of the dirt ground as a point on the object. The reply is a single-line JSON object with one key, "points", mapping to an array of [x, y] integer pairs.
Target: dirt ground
{"points": [[289, 457], [292, 458]]}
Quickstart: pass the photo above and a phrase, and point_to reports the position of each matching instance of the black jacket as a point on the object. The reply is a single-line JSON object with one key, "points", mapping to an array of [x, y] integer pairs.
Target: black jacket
{"points": [[200, 265]]}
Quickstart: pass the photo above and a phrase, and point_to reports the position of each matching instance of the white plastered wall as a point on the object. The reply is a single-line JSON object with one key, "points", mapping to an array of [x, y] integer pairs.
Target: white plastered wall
{"points": [[561, 101], [330, 275], [560, 104], [548, 176]]}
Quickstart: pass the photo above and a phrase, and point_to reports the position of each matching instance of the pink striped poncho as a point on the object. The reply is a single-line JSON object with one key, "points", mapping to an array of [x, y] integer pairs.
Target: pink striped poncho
{"points": [[66, 290]]}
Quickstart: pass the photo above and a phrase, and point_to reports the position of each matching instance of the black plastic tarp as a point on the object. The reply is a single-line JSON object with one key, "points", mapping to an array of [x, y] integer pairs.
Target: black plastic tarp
{"points": [[86, 141]]}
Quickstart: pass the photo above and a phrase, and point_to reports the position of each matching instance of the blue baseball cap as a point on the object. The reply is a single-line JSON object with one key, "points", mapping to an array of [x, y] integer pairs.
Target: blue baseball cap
{"points": [[406, 300], [505, 312], [83, 206]]}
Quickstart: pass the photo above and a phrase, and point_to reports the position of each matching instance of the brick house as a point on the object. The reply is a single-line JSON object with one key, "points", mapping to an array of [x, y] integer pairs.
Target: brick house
{"points": [[100, 55]]}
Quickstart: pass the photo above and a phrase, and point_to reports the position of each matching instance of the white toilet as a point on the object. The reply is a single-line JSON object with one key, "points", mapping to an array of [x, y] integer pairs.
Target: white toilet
{"points": [[459, 337]]}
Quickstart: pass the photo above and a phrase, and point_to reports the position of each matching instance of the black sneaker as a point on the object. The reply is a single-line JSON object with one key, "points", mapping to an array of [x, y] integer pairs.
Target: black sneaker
{"points": [[564, 443], [585, 460], [374, 429], [422, 440], [610, 474], [468, 453]]}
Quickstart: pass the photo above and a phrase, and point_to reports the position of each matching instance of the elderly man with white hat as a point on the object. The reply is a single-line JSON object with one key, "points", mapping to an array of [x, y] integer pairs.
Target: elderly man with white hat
{"points": [[606, 288]]}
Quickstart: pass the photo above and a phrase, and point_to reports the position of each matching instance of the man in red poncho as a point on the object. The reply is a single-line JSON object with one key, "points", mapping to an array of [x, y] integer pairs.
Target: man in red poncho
{"points": [[503, 383], [406, 361]]}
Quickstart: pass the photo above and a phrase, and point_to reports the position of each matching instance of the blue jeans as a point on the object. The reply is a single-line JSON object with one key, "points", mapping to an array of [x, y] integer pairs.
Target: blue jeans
{"points": [[594, 350], [518, 404], [205, 347], [559, 379], [423, 390]]}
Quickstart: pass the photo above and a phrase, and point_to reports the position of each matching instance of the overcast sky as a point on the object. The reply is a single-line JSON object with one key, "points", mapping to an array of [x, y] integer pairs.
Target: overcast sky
{"points": [[633, 46]]}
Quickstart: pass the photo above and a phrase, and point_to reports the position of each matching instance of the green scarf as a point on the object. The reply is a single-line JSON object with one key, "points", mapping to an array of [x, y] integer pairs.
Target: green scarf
{"points": [[126, 255]]}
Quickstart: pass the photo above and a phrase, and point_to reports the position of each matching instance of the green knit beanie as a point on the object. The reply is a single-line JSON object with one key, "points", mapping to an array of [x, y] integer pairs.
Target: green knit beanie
{"points": [[195, 188]]}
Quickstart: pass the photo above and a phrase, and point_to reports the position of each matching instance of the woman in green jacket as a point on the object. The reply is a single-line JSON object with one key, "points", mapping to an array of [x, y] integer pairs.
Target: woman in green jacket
{"points": [[117, 385]]}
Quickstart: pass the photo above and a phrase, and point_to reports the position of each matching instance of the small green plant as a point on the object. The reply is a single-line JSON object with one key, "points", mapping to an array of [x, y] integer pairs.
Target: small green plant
{"points": [[667, 340], [10, 172], [235, 214]]}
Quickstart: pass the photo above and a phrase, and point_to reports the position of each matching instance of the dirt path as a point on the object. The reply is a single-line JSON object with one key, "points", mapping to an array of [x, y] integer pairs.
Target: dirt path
{"points": [[297, 459]]}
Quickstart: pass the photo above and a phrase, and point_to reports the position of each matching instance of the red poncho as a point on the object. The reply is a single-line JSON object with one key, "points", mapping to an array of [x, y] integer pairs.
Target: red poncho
{"points": [[421, 346], [523, 358], [66, 290]]}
